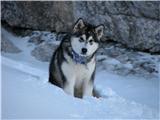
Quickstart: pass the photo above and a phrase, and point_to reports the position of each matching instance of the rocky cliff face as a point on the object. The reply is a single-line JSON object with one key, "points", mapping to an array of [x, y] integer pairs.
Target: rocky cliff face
{"points": [[38, 15], [134, 24]]}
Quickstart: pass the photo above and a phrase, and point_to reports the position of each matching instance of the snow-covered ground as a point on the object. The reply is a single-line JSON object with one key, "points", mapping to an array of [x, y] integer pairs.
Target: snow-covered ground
{"points": [[27, 94]]}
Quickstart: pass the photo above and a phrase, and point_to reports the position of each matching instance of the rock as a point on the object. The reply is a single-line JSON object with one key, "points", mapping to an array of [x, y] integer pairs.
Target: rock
{"points": [[117, 59], [136, 24], [45, 44], [149, 67], [8, 46], [44, 51], [147, 35], [138, 33], [148, 9], [38, 15], [11, 13], [38, 37]]}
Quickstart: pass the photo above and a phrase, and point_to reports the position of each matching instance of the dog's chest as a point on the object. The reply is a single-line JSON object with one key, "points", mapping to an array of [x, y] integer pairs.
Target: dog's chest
{"points": [[82, 71], [78, 72]]}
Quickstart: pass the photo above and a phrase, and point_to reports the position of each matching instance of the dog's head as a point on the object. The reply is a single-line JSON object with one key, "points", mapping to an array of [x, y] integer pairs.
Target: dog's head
{"points": [[86, 37]]}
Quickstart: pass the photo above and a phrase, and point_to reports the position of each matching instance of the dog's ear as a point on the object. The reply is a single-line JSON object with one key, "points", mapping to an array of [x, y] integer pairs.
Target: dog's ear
{"points": [[78, 25], [99, 31]]}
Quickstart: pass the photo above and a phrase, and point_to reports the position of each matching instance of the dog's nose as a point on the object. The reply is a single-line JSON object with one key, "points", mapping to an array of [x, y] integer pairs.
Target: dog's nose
{"points": [[84, 50]]}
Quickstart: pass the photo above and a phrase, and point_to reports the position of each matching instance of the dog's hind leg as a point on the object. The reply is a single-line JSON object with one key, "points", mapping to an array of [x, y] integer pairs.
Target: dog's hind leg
{"points": [[53, 80]]}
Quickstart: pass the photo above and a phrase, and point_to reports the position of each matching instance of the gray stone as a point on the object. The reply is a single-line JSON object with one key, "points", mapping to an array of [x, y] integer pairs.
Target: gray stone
{"points": [[148, 9], [137, 33], [115, 58], [45, 44], [135, 24], [146, 35], [38, 15], [11, 13], [44, 51], [38, 37]]}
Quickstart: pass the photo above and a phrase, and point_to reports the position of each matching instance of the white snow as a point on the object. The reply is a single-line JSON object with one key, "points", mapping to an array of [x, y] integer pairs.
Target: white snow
{"points": [[27, 94]]}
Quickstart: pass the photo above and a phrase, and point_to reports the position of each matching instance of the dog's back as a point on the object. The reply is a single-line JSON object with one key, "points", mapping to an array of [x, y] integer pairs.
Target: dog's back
{"points": [[56, 76]]}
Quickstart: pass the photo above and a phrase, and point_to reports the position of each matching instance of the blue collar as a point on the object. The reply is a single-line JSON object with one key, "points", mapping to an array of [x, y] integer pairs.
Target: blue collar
{"points": [[79, 59]]}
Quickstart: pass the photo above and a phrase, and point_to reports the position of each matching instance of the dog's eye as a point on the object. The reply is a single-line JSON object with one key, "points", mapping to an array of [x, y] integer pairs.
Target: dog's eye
{"points": [[81, 39], [91, 42]]}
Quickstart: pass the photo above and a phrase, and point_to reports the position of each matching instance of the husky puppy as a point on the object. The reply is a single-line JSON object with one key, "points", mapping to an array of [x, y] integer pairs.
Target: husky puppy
{"points": [[73, 64]]}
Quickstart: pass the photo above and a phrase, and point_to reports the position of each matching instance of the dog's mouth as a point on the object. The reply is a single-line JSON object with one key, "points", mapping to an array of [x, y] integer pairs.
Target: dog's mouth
{"points": [[83, 55], [79, 54]]}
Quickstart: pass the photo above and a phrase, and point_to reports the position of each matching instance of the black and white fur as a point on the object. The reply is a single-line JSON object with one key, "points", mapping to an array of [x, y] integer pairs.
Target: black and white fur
{"points": [[74, 62]]}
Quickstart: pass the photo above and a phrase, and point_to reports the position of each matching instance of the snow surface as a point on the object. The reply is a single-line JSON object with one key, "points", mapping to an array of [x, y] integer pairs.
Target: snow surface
{"points": [[27, 94]]}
